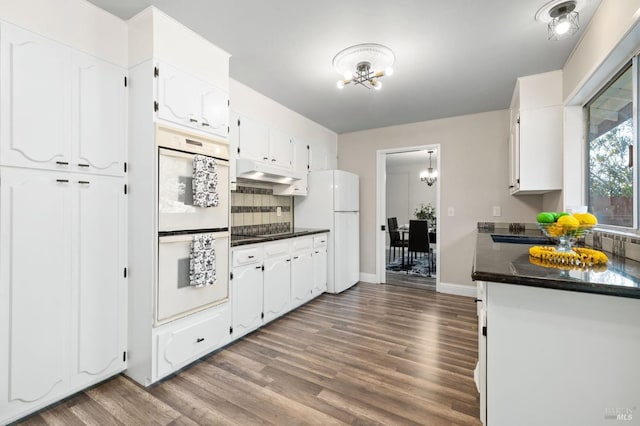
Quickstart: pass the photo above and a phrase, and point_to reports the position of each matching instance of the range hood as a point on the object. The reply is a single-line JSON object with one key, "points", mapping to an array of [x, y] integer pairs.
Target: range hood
{"points": [[263, 172]]}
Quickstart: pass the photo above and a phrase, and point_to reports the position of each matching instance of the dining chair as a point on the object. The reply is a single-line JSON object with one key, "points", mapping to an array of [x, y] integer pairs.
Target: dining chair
{"points": [[396, 240], [419, 240]]}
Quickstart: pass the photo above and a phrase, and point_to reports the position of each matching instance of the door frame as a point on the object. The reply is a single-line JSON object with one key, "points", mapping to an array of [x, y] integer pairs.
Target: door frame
{"points": [[381, 199]]}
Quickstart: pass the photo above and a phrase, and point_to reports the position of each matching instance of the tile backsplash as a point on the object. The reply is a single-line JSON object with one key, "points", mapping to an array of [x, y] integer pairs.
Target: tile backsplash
{"points": [[254, 210]]}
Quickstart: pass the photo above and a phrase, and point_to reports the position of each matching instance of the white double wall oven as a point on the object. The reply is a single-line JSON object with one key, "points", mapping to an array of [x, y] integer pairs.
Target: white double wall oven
{"points": [[180, 221]]}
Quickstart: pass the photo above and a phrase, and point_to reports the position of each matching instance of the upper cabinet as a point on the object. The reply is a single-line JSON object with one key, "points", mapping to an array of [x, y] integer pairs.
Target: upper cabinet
{"points": [[61, 109], [535, 136], [188, 101], [259, 142]]}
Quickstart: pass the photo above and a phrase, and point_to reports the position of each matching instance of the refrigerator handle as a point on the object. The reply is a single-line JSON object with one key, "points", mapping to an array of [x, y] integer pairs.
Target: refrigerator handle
{"points": [[383, 228]]}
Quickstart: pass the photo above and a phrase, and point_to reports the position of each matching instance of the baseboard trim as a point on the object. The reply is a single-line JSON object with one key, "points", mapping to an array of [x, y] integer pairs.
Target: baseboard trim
{"points": [[368, 278], [457, 289]]}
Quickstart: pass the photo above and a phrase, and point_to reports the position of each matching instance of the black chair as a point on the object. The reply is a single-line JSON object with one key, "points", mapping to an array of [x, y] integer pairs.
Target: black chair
{"points": [[419, 240], [395, 238]]}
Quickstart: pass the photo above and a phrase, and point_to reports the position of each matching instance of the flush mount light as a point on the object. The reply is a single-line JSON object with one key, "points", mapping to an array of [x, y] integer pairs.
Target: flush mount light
{"points": [[562, 17], [364, 64]]}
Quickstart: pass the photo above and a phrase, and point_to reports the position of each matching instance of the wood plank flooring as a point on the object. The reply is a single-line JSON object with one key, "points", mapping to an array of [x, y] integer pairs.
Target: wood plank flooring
{"points": [[375, 354]]}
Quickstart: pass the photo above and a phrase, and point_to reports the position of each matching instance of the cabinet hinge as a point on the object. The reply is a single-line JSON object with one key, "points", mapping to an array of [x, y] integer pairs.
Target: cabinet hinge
{"points": [[238, 122], [155, 106], [125, 189], [228, 102], [125, 167], [263, 267], [230, 330], [125, 81], [124, 356], [308, 147], [156, 71], [238, 150], [262, 315], [518, 120], [228, 131], [231, 276], [484, 330], [125, 272]]}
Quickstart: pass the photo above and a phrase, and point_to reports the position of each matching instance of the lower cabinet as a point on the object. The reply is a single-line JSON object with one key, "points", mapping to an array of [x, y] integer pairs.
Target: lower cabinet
{"points": [[62, 287], [319, 265], [187, 340], [270, 279]]}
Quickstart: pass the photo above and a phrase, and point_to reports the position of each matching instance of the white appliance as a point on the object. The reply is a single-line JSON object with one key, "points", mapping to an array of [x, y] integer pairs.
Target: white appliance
{"points": [[333, 203], [180, 221], [176, 211]]}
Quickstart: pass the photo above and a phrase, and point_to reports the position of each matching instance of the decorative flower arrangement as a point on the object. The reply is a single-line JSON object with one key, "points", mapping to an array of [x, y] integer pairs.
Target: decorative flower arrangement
{"points": [[425, 212]]}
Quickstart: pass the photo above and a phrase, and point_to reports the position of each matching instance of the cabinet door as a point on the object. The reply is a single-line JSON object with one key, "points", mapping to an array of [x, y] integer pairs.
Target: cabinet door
{"points": [[280, 149], [247, 299], [214, 107], [35, 289], [234, 135], [178, 96], [99, 115], [253, 139], [35, 103], [277, 287], [319, 271], [301, 277], [320, 157], [300, 156], [514, 152], [101, 259]]}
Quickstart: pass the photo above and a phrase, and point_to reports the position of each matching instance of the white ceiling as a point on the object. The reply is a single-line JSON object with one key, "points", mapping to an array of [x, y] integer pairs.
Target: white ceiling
{"points": [[453, 57]]}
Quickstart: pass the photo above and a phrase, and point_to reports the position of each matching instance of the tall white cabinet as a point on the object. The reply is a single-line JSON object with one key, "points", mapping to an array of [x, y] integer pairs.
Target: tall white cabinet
{"points": [[178, 80], [63, 230]]}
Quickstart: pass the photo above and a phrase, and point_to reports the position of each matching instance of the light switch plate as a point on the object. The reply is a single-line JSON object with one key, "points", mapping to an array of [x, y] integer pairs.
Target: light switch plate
{"points": [[497, 212], [450, 211]]}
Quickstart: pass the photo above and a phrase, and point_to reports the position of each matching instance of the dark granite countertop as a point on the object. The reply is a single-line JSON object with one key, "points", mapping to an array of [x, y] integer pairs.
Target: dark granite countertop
{"points": [[240, 240], [509, 263]]}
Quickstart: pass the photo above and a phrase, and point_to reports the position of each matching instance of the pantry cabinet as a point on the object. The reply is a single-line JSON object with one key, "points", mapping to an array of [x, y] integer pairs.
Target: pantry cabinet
{"points": [[62, 109], [66, 263], [186, 100], [535, 135]]}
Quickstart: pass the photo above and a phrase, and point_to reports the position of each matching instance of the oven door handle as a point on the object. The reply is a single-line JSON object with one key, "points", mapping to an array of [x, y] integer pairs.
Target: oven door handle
{"points": [[178, 154], [189, 237]]}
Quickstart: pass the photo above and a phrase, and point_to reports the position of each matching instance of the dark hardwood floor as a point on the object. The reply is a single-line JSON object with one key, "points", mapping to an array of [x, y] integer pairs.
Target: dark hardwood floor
{"points": [[375, 354]]}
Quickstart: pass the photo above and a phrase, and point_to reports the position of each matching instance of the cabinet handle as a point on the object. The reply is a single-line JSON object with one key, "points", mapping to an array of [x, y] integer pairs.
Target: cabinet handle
{"points": [[250, 257], [82, 165], [265, 158], [317, 252], [200, 339], [62, 180], [273, 159], [258, 267], [192, 142], [62, 163], [296, 257], [84, 182], [288, 260], [193, 120], [205, 124]]}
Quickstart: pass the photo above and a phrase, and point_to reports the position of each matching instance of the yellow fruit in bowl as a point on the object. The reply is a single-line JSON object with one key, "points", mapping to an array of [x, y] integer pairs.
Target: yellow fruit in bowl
{"points": [[568, 222], [586, 219]]}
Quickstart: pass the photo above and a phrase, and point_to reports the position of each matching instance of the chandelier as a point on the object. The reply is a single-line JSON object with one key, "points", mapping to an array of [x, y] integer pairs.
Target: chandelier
{"points": [[363, 64], [561, 16], [429, 176]]}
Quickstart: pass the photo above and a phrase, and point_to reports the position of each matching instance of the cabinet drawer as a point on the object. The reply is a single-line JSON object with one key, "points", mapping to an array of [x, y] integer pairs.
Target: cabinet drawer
{"points": [[305, 243], [247, 256], [178, 346], [276, 249], [320, 241]]}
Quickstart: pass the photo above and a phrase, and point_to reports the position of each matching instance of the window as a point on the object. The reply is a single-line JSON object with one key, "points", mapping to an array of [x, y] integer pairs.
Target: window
{"points": [[611, 127]]}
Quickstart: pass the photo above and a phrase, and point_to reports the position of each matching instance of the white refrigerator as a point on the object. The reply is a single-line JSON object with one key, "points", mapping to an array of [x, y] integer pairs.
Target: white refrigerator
{"points": [[333, 203]]}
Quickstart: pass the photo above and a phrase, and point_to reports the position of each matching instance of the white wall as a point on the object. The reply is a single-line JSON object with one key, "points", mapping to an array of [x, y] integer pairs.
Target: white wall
{"points": [[473, 178], [248, 102], [405, 192]]}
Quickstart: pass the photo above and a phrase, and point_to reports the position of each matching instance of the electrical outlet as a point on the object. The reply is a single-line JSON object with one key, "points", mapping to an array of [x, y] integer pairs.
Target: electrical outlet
{"points": [[497, 211], [450, 211], [278, 211]]}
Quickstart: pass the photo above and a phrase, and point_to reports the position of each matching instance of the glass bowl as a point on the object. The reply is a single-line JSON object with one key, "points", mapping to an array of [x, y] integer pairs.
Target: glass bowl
{"points": [[565, 235]]}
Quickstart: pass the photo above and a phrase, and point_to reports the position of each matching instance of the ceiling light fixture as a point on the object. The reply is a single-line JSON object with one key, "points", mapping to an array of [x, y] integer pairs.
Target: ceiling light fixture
{"points": [[562, 17], [364, 64], [429, 176]]}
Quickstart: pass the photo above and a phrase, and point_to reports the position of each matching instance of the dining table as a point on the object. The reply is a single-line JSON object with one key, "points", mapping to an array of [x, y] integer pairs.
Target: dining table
{"points": [[404, 230]]}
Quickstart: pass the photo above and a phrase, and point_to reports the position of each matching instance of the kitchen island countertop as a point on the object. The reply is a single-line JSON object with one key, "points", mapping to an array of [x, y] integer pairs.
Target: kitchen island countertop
{"points": [[509, 263]]}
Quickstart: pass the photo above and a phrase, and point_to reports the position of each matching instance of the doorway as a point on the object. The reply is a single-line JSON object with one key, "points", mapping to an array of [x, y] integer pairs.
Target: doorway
{"points": [[401, 193]]}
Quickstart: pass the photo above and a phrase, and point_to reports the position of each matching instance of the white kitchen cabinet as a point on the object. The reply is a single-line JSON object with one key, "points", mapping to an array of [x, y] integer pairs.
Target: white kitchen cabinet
{"points": [[301, 270], [233, 148], [277, 280], [253, 139], [301, 167], [319, 264], [535, 136], [63, 109], [320, 157], [247, 298], [280, 149], [66, 262], [188, 101]]}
